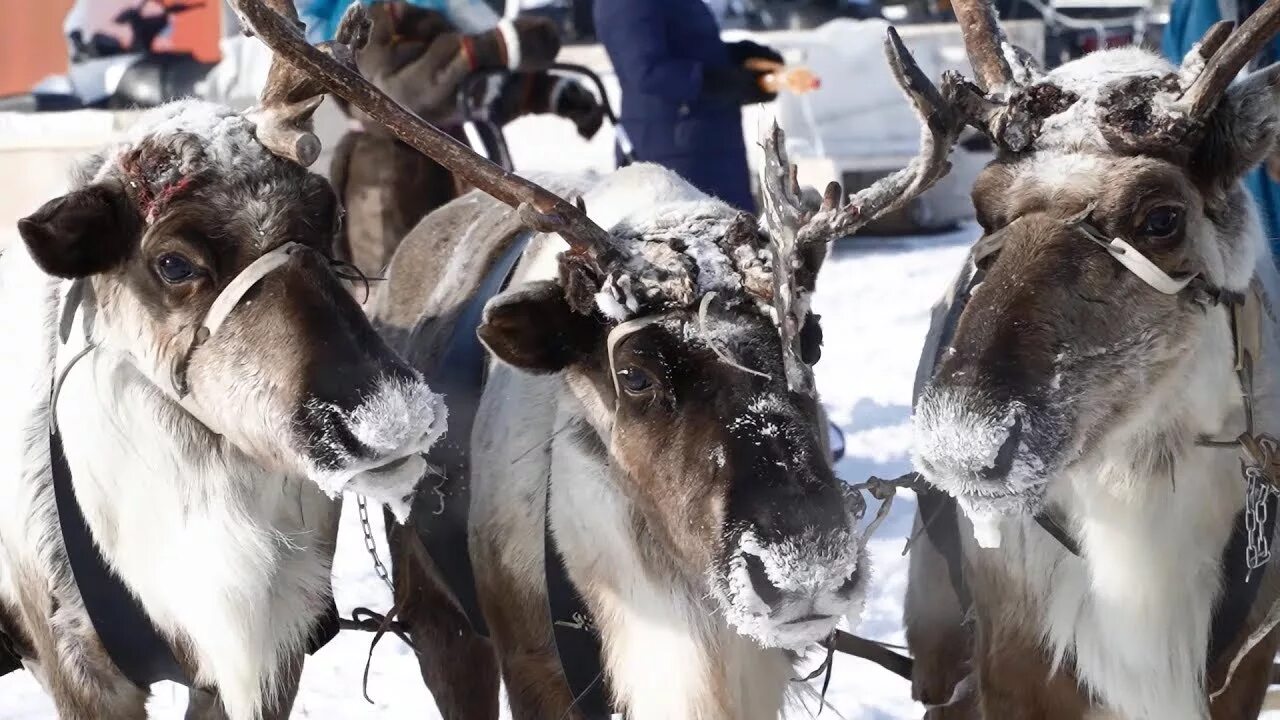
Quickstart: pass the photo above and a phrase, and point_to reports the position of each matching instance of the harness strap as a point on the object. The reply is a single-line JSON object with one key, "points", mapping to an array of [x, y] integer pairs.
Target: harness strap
{"points": [[1048, 520], [876, 652], [1239, 585], [130, 638], [576, 638], [227, 301], [441, 509]]}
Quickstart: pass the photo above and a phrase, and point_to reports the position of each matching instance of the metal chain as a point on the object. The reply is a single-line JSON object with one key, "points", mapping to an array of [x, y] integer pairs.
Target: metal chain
{"points": [[371, 546], [1258, 550]]}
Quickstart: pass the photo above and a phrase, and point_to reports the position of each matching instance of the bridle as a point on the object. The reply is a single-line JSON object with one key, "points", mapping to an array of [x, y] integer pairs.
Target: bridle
{"points": [[76, 305], [227, 301]]}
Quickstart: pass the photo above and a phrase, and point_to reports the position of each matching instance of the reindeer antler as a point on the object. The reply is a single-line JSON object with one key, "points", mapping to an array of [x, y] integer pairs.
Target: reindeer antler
{"points": [[1227, 55], [290, 97], [984, 43], [792, 225], [940, 128], [538, 207]]}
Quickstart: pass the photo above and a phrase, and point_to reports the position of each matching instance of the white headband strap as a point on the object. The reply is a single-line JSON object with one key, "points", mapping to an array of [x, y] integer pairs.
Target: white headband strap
{"points": [[1141, 265], [227, 301], [235, 290], [618, 334]]}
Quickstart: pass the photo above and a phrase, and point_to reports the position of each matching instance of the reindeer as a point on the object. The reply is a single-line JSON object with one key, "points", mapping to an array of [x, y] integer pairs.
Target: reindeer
{"points": [[180, 346], [649, 407], [1096, 381]]}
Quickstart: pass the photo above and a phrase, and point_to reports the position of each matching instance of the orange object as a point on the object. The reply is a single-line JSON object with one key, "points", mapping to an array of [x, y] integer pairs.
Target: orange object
{"points": [[32, 46], [31, 43], [778, 77]]}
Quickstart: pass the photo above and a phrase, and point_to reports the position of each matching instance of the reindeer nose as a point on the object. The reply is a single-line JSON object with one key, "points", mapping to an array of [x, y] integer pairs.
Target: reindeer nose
{"points": [[764, 588], [999, 469], [959, 436]]}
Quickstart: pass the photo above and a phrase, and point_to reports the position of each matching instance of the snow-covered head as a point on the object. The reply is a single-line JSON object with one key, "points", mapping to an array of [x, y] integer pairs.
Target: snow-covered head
{"points": [[205, 256], [1057, 346], [689, 405]]}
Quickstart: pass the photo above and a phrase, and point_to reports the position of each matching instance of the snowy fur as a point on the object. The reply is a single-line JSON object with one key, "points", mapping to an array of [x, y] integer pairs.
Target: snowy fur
{"points": [[811, 568], [680, 257], [1078, 128], [399, 420]]}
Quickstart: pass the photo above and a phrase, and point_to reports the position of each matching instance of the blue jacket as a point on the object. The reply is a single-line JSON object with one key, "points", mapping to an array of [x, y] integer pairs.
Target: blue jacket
{"points": [[1188, 20], [659, 49]]}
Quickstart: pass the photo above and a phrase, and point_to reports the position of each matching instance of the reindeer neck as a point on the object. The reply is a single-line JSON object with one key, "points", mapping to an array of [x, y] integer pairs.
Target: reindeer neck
{"points": [[227, 559]]}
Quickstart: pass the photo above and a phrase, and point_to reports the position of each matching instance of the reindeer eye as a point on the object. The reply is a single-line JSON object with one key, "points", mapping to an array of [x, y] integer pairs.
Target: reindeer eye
{"points": [[633, 380], [1161, 222], [173, 268]]}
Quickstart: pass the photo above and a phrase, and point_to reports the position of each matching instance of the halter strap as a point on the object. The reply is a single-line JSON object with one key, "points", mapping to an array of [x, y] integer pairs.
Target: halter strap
{"points": [[226, 302], [1130, 257], [620, 333]]}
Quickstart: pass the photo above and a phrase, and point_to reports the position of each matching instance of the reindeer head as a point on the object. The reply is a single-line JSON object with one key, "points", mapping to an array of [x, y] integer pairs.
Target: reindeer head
{"points": [[204, 255], [686, 336], [1066, 331], [684, 331], [679, 369]]}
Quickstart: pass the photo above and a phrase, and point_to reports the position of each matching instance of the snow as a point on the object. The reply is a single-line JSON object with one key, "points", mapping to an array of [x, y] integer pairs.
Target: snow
{"points": [[874, 296]]}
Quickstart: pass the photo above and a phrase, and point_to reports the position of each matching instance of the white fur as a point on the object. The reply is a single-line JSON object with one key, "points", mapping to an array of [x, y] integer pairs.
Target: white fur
{"points": [[809, 568], [233, 562], [1134, 612]]}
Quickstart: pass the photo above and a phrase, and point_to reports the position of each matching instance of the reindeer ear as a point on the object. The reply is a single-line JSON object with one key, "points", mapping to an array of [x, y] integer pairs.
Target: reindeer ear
{"points": [[1242, 130], [534, 329], [83, 232]]}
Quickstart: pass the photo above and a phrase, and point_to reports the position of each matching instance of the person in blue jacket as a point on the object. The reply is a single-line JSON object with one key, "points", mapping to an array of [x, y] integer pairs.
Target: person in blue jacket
{"points": [[1188, 21], [682, 90]]}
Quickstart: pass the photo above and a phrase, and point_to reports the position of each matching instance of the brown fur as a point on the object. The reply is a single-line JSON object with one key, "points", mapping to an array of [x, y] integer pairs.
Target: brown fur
{"points": [[295, 348], [518, 619], [459, 666]]}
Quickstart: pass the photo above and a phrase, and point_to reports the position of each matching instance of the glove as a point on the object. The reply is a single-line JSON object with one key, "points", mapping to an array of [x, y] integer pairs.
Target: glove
{"points": [[569, 99], [743, 50], [735, 83], [414, 56]]}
